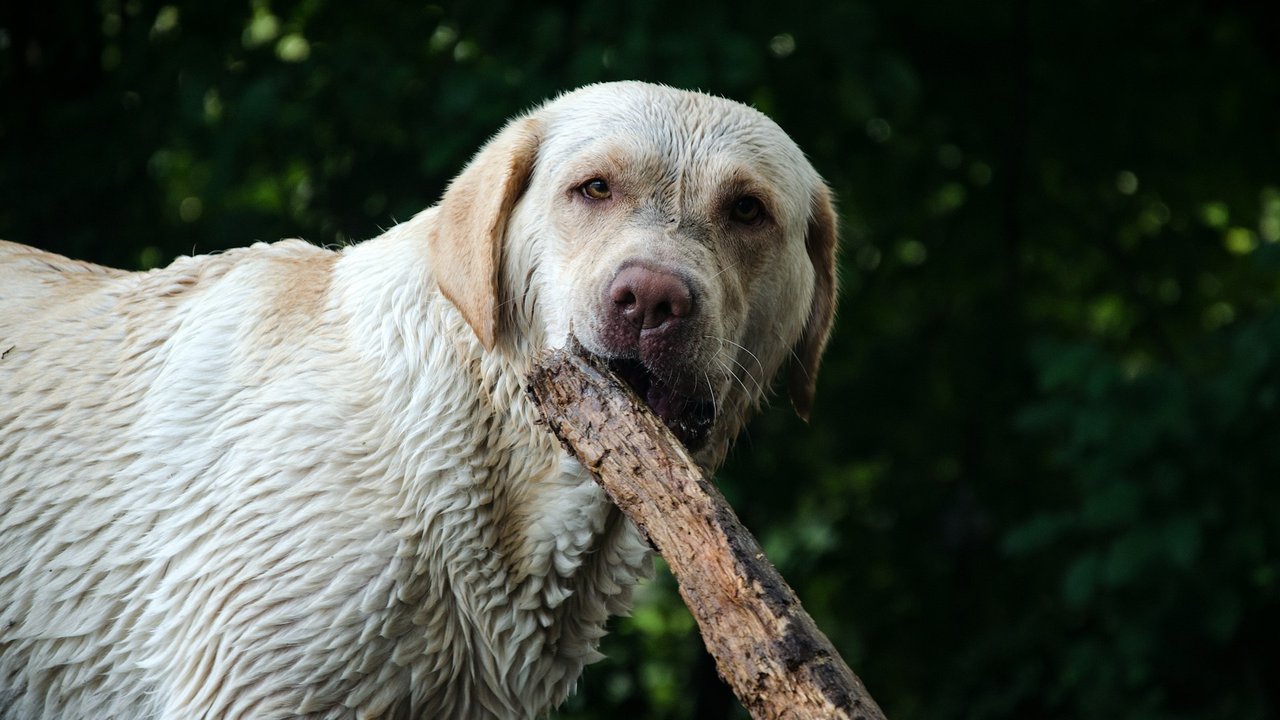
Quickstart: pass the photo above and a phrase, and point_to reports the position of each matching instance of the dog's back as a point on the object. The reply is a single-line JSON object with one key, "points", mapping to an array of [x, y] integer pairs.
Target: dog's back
{"points": [[35, 283], [108, 381]]}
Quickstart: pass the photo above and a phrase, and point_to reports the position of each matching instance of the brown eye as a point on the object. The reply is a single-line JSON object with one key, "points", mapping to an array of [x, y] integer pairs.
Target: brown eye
{"points": [[747, 210], [596, 189]]}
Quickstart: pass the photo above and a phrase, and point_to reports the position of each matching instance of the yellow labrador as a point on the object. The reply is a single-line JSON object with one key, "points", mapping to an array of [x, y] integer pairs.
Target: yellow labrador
{"points": [[284, 481]]}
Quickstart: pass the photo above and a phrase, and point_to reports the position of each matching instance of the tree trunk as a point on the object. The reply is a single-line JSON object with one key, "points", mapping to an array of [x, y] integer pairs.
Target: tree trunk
{"points": [[765, 645]]}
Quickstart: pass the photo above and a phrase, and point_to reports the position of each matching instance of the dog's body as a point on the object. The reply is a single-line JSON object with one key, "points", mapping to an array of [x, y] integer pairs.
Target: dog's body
{"points": [[284, 481]]}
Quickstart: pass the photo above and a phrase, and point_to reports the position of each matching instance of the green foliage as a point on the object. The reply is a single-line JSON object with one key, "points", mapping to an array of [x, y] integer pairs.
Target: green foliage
{"points": [[1041, 476], [1164, 529]]}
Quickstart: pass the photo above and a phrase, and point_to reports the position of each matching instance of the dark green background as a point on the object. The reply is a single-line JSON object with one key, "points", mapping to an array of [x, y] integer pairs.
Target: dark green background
{"points": [[1041, 478]]}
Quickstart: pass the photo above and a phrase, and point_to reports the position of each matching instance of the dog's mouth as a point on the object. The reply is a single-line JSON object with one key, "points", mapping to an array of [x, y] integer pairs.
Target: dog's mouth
{"points": [[689, 418]]}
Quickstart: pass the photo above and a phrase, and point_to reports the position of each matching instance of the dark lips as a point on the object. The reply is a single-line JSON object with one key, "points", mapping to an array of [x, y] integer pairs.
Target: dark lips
{"points": [[690, 419]]}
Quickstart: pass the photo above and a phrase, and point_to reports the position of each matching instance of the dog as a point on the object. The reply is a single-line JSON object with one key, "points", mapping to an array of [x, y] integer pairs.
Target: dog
{"points": [[287, 481]]}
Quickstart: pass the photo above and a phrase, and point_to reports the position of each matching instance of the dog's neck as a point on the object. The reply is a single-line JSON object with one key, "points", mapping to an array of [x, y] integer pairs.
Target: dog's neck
{"points": [[533, 553]]}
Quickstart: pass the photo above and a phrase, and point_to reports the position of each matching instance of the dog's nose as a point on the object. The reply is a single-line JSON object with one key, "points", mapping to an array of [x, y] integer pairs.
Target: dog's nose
{"points": [[650, 299]]}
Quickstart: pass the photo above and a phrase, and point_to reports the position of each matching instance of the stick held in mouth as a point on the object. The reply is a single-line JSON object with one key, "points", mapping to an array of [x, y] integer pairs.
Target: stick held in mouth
{"points": [[765, 645]]}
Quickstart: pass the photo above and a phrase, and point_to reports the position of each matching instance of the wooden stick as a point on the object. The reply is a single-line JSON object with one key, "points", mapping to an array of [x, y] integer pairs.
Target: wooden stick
{"points": [[765, 645]]}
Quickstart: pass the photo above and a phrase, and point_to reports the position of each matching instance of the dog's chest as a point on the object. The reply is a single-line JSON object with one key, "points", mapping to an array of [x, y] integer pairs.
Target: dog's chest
{"points": [[494, 604]]}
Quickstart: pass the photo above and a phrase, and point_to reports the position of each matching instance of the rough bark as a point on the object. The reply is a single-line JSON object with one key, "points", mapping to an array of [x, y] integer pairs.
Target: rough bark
{"points": [[765, 645]]}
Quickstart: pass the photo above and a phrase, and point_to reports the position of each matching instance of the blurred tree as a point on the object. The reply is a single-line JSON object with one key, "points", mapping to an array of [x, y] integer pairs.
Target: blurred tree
{"points": [[1041, 478]]}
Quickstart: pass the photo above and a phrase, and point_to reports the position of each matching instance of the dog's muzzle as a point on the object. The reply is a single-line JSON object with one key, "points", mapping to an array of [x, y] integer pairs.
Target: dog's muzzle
{"points": [[648, 330]]}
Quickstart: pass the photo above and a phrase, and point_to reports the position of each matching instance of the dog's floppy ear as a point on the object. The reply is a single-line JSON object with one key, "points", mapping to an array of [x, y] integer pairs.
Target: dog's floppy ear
{"points": [[820, 241], [466, 240]]}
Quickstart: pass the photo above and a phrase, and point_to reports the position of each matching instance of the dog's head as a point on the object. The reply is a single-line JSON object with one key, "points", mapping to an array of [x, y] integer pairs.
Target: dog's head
{"points": [[683, 237]]}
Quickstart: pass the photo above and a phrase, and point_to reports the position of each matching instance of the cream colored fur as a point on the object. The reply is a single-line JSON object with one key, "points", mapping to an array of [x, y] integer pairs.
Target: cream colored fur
{"points": [[283, 481]]}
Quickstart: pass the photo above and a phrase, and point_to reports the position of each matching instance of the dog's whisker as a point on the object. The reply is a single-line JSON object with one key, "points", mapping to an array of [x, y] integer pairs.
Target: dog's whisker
{"points": [[759, 385], [731, 373], [726, 341], [724, 270], [711, 393], [753, 356], [730, 370], [757, 381]]}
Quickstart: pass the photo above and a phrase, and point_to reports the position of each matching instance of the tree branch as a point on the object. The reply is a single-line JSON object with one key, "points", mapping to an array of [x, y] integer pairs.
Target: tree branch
{"points": [[765, 645]]}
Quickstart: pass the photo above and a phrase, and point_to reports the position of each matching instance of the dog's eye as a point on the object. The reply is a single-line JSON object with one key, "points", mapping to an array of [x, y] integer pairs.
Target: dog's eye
{"points": [[596, 189], [747, 210]]}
